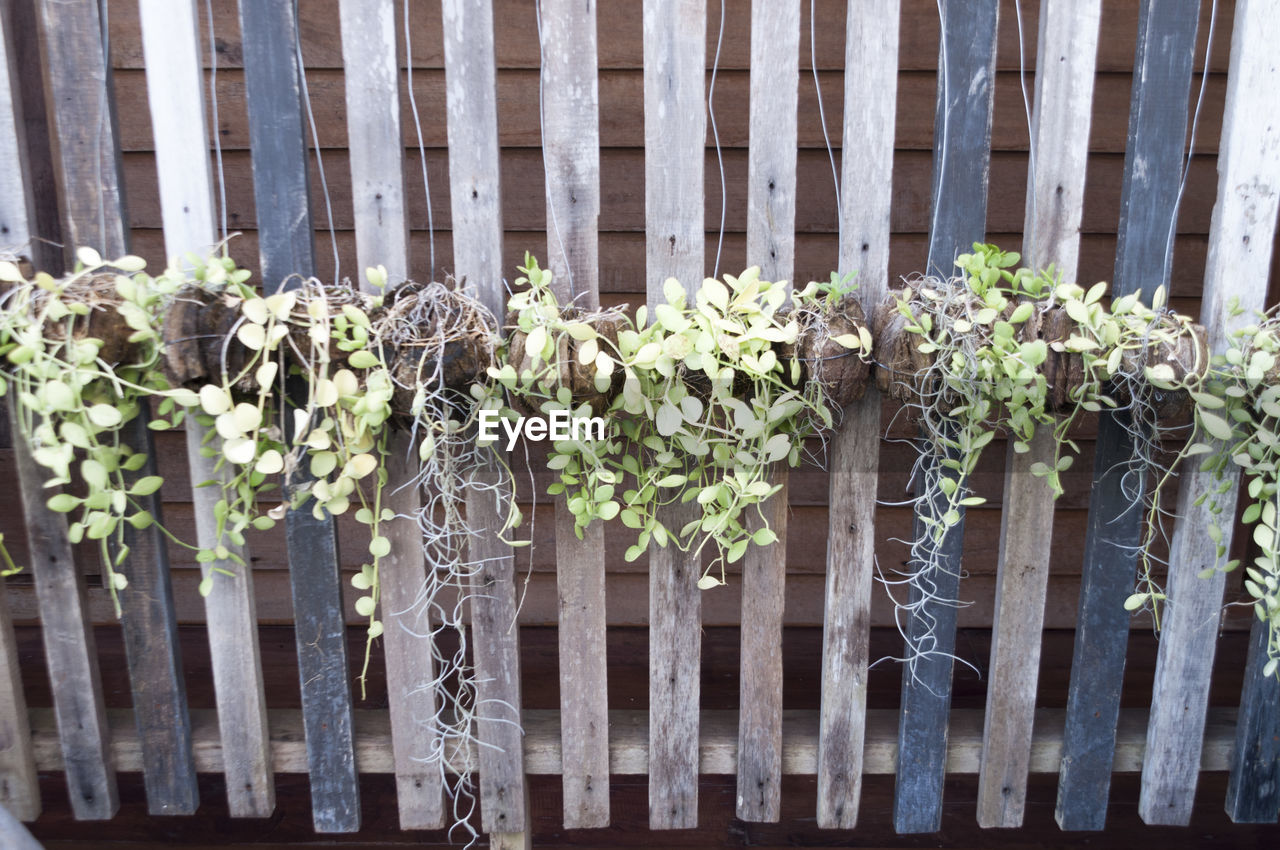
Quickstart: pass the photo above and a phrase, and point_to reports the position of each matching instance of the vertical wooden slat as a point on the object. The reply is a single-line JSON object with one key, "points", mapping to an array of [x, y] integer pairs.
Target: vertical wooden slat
{"points": [[674, 137], [1068, 48], [476, 200], [286, 247], [1253, 789], [1152, 173], [172, 49], [372, 80], [571, 148], [83, 104], [771, 216], [71, 655], [1240, 242], [19, 784], [13, 835], [962, 156], [866, 173]]}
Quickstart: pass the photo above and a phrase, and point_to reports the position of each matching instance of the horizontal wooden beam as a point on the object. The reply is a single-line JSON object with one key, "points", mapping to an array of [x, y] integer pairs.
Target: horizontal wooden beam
{"points": [[629, 741]]}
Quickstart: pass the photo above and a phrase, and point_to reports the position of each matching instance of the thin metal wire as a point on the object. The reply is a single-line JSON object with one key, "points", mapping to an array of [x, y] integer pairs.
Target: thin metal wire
{"points": [[422, 148], [217, 138], [822, 117], [315, 140], [546, 173], [715, 135]]}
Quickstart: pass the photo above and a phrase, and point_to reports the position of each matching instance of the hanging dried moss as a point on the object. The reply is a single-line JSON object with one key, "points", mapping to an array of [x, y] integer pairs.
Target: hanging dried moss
{"points": [[103, 321]]}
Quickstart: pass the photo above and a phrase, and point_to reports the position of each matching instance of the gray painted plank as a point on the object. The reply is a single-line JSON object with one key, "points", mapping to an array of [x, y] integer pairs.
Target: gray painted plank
{"points": [[1253, 789], [84, 116], [771, 237], [674, 134], [286, 247], [175, 91], [1068, 51], [571, 150], [476, 198], [1240, 243], [962, 159], [870, 104], [372, 81], [1153, 170]]}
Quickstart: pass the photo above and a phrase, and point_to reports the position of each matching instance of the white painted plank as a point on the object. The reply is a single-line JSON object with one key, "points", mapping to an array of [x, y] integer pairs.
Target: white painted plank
{"points": [[1240, 242], [771, 237], [571, 150], [175, 92], [1068, 48], [372, 78], [675, 129], [476, 199], [866, 173]]}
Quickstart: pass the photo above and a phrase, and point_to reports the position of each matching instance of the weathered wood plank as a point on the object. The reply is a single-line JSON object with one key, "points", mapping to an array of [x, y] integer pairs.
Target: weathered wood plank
{"points": [[674, 130], [629, 743], [70, 655], [171, 42], [476, 201], [1153, 171], [866, 162], [962, 157], [19, 784], [13, 834], [286, 247], [1055, 201], [571, 150], [771, 237], [79, 81], [1253, 790], [382, 238], [1240, 244]]}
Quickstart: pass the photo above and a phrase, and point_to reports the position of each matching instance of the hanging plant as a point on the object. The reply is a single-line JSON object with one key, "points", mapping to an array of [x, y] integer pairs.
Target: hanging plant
{"points": [[1005, 349], [1237, 421], [81, 356], [697, 403]]}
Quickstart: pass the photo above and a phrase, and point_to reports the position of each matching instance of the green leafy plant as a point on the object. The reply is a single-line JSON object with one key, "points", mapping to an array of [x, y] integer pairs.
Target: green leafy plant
{"points": [[699, 400], [1237, 422], [1013, 350], [81, 356]]}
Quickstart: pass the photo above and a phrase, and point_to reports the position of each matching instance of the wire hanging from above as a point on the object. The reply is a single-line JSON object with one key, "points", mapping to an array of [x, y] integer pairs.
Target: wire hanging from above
{"points": [[422, 148], [315, 140]]}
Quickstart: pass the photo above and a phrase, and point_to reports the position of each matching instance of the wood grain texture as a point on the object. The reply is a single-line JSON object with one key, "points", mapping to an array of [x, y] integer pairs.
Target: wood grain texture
{"points": [[171, 43], [1055, 204], [19, 784], [372, 81], [771, 237], [476, 201], [70, 655], [1240, 243], [674, 130], [83, 106], [866, 162], [571, 151], [1253, 790], [962, 157], [1152, 173], [286, 248], [629, 743]]}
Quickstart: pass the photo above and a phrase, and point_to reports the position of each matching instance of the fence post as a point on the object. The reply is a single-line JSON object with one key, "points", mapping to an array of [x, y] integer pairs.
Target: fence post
{"points": [[286, 246], [1236, 272], [675, 132], [571, 149], [866, 167], [961, 157]]}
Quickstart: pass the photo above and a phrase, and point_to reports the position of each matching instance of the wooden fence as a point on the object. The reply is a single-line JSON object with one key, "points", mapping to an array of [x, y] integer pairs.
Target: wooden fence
{"points": [[584, 742]]}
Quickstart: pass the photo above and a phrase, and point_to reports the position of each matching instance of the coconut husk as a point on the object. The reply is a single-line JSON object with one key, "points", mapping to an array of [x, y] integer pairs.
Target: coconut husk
{"points": [[199, 332], [434, 336], [300, 321], [841, 371], [103, 321], [1186, 353], [1063, 370], [578, 377], [900, 365]]}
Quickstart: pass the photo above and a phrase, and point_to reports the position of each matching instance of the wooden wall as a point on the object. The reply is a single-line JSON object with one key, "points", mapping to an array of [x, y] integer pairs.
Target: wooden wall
{"points": [[622, 276]]}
